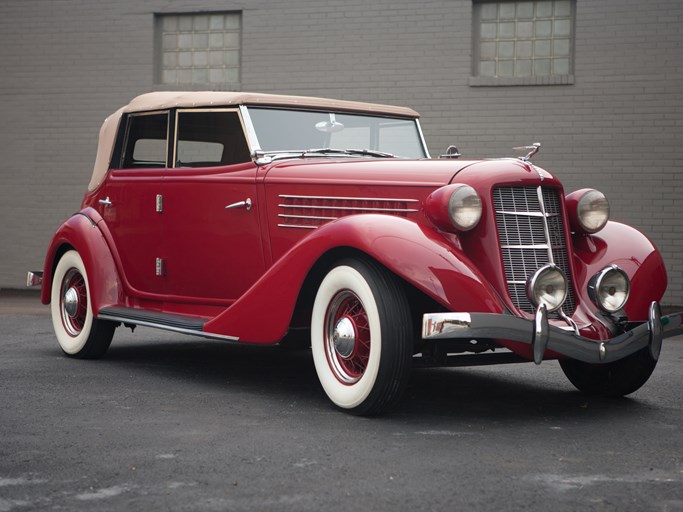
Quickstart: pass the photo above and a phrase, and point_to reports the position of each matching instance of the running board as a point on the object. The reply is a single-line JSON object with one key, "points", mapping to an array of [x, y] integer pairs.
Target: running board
{"points": [[166, 321]]}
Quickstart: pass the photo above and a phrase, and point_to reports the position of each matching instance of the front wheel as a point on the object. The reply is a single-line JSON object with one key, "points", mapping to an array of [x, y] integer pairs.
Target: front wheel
{"points": [[361, 337], [78, 332], [619, 378]]}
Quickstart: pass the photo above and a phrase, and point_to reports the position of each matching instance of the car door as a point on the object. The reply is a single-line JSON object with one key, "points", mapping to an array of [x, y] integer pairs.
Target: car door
{"points": [[210, 210], [128, 199]]}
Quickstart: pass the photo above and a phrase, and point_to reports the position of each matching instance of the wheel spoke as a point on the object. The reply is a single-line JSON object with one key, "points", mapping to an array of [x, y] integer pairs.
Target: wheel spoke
{"points": [[347, 366], [74, 282]]}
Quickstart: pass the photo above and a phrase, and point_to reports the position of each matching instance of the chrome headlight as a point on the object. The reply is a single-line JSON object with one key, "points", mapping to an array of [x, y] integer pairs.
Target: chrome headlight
{"points": [[455, 207], [548, 286], [588, 210], [609, 289], [593, 211], [464, 208]]}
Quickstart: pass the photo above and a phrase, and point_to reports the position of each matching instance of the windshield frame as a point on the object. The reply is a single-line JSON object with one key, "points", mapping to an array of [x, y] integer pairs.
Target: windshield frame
{"points": [[257, 151]]}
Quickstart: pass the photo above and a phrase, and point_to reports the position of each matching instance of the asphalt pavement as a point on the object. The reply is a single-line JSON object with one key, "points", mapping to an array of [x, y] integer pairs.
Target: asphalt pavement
{"points": [[171, 422]]}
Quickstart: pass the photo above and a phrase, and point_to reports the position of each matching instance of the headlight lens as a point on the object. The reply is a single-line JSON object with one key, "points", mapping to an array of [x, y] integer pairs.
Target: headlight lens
{"points": [[464, 208], [592, 211], [548, 286], [609, 289]]}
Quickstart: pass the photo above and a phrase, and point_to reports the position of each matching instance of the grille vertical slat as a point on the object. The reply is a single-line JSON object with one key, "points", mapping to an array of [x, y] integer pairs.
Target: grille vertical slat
{"points": [[521, 221]]}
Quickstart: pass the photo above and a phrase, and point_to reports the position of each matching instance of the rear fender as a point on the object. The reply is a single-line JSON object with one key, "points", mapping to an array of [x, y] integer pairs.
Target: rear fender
{"points": [[419, 255], [81, 233]]}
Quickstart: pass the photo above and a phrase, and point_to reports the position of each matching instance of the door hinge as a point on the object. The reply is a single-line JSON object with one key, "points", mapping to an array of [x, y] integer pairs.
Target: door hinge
{"points": [[160, 203], [161, 267]]}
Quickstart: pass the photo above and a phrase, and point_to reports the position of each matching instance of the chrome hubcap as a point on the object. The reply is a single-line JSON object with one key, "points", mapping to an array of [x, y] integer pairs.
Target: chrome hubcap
{"points": [[344, 337], [71, 302]]}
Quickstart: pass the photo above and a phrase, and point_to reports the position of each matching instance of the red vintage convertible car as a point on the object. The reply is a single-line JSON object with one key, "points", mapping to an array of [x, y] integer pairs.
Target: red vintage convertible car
{"points": [[264, 219]]}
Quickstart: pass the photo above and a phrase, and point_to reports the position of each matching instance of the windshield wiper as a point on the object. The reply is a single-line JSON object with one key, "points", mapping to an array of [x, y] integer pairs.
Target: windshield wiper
{"points": [[265, 157], [367, 152]]}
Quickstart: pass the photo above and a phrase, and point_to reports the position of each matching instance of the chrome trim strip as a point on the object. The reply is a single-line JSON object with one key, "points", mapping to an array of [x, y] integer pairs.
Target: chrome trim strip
{"points": [[436, 326], [546, 228], [422, 138], [252, 139], [312, 217], [297, 226], [181, 330], [334, 198], [347, 208], [537, 246], [528, 214]]}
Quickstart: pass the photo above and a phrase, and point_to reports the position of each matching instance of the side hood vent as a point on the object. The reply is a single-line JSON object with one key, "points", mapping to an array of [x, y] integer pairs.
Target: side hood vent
{"points": [[310, 212]]}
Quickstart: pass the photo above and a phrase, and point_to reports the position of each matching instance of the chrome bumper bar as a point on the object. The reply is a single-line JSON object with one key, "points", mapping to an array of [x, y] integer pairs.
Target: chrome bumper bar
{"points": [[541, 335], [34, 278]]}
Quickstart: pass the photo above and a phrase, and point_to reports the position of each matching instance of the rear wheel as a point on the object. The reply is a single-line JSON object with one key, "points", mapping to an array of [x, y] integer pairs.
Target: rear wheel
{"points": [[79, 334], [361, 337], [612, 379]]}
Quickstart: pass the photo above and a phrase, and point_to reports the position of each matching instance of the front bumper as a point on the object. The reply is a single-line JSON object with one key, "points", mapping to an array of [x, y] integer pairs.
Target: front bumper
{"points": [[541, 335]]}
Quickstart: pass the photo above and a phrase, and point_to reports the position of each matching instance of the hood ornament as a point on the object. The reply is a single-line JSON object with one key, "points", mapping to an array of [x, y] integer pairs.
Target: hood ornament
{"points": [[532, 150]]}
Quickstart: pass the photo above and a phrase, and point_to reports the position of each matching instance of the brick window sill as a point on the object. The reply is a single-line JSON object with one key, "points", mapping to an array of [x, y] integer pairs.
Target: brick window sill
{"points": [[486, 81]]}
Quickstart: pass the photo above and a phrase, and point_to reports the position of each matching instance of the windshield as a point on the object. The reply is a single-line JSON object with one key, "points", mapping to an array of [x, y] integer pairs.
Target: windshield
{"points": [[280, 130]]}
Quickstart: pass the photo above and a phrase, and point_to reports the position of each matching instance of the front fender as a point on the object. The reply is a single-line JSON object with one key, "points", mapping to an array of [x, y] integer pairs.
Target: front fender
{"points": [[82, 233], [419, 255], [626, 247]]}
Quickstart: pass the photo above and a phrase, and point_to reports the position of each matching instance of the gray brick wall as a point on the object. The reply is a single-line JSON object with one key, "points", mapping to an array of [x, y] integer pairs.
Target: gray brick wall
{"points": [[619, 128]]}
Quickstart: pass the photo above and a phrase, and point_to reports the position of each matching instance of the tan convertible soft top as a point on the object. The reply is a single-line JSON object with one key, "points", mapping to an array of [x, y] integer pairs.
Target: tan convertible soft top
{"points": [[182, 99]]}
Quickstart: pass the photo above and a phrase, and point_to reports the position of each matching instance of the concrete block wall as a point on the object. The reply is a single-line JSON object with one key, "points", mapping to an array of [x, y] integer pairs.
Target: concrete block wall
{"points": [[67, 64]]}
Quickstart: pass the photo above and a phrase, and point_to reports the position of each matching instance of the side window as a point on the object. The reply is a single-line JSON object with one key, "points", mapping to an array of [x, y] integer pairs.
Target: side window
{"points": [[210, 138], [145, 144]]}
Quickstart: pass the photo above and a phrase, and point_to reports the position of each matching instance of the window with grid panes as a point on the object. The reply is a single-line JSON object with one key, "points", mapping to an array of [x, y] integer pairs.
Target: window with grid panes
{"points": [[199, 48], [523, 42]]}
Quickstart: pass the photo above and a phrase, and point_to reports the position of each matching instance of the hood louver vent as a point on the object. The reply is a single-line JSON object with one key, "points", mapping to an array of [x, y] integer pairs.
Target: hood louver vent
{"points": [[310, 212]]}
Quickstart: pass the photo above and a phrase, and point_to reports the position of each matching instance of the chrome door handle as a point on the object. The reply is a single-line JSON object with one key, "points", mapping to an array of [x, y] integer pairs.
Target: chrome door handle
{"points": [[105, 202], [240, 204]]}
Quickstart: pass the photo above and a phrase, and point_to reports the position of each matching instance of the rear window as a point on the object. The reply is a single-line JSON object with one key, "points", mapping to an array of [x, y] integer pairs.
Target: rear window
{"points": [[145, 144]]}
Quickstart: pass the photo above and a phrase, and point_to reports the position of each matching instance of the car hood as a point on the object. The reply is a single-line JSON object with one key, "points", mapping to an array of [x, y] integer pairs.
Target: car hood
{"points": [[417, 173], [389, 171]]}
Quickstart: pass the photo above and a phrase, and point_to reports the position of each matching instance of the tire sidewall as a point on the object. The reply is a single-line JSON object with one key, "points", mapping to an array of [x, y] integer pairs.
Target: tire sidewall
{"points": [[71, 345], [346, 396]]}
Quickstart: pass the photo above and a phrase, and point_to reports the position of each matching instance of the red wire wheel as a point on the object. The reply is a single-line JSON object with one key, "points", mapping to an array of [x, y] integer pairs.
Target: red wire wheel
{"points": [[73, 302], [347, 337], [78, 332], [361, 336]]}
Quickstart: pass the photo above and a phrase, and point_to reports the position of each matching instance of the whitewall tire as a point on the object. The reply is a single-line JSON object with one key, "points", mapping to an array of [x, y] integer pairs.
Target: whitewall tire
{"points": [[361, 336], [79, 334]]}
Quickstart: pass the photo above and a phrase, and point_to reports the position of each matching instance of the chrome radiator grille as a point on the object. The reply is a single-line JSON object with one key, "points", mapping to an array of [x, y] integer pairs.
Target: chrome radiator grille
{"points": [[522, 214]]}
